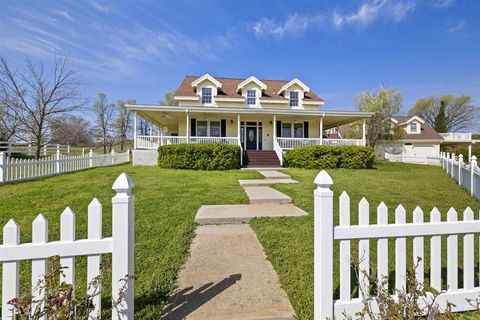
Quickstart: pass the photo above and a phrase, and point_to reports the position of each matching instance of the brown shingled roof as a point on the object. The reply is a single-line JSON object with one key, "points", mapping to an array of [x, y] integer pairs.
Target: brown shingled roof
{"points": [[229, 89], [427, 132]]}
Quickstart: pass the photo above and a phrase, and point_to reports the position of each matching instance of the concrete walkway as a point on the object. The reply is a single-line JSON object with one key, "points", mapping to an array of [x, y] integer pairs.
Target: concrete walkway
{"points": [[227, 275]]}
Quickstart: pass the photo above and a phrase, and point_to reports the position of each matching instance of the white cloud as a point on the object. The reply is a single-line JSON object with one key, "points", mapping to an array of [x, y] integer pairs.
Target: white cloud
{"points": [[100, 7], [457, 27], [443, 3], [293, 25], [63, 13], [371, 11]]}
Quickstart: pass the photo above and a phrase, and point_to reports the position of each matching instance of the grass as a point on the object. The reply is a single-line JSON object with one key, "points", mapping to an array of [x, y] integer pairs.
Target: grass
{"points": [[288, 242], [166, 202]]}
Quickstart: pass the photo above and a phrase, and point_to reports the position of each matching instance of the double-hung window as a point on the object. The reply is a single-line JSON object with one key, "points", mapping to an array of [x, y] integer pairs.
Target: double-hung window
{"points": [[206, 95], [298, 130], [214, 128], [293, 98], [413, 127], [286, 130], [251, 97], [202, 128]]}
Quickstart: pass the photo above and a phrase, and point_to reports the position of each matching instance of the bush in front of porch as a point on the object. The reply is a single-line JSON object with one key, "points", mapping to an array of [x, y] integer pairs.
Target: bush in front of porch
{"points": [[209, 156], [328, 157]]}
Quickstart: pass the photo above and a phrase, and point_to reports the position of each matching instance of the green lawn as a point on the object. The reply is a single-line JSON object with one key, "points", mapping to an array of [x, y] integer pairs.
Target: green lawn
{"points": [[166, 203], [167, 200], [288, 242]]}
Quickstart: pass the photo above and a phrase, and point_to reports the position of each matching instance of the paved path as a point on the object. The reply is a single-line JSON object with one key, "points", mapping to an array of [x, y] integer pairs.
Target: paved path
{"points": [[227, 275]]}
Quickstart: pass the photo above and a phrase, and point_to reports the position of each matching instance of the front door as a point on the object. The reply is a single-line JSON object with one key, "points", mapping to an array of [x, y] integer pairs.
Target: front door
{"points": [[251, 138]]}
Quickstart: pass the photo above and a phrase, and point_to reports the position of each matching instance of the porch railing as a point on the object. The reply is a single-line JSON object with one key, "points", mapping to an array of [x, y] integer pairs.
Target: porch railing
{"points": [[292, 143], [153, 142]]}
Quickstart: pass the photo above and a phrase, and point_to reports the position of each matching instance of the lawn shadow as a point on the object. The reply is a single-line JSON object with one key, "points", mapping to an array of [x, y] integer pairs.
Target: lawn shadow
{"points": [[184, 302]]}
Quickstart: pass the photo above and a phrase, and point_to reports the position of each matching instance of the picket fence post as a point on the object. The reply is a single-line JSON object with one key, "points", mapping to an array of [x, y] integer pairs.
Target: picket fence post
{"points": [[123, 248], [29, 149], [452, 167], [323, 247], [10, 272], [473, 164], [44, 149], [90, 158], [113, 156], [57, 160], [68, 149], [3, 170], [460, 162]]}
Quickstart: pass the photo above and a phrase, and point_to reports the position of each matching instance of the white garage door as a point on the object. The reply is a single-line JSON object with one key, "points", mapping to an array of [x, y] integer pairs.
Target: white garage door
{"points": [[424, 151]]}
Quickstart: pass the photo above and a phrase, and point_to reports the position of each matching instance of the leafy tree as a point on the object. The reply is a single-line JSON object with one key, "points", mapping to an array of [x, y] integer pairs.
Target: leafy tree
{"points": [[104, 117], [168, 99], [384, 103], [123, 122], [33, 98], [70, 129], [460, 112], [440, 119]]}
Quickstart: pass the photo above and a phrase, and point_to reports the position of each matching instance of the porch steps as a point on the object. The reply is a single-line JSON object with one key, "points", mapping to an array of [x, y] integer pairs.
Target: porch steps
{"points": [[261, 158]]}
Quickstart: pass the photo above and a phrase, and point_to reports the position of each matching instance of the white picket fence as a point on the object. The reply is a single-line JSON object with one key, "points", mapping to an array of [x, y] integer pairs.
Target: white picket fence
{"points": [[29, 148], [325, 233], [120, 245], [13, 169], [467, 175]]}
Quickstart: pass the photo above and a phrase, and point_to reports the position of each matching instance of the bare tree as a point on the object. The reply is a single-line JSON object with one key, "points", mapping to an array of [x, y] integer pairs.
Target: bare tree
{"points": [[123, 122], [70, 129], [105, 115], [36, 96], [8, 125]]}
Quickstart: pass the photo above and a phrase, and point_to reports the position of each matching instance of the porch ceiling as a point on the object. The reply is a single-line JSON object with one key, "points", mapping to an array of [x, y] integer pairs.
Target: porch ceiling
{"points": [[169, 115]]}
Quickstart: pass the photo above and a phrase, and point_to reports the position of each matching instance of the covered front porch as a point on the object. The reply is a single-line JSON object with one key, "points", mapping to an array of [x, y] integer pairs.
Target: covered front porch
{"points": [[249, 128]]}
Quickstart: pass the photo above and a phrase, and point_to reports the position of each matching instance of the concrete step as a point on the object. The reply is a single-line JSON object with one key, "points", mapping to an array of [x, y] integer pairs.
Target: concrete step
{"points": [[243, 213], [228, 276], [274, 174], [264, 182], [266, 195]]}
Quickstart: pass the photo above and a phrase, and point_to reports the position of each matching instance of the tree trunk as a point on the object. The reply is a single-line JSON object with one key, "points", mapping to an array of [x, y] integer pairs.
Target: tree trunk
{"points": [[38, 148]]}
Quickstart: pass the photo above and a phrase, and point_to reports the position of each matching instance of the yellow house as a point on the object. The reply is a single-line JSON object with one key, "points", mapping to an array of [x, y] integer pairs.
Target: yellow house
{"points": [[263, 117]]}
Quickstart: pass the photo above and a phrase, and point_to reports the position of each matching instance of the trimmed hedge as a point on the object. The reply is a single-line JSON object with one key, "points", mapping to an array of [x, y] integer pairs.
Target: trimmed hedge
{"points": [[328, 157], [209, 156]]}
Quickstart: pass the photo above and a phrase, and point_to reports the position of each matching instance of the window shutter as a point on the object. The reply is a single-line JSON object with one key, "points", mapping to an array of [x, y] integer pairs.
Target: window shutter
{"points": [[193, 127], [279, 129], [305, 129], [223, 128]]}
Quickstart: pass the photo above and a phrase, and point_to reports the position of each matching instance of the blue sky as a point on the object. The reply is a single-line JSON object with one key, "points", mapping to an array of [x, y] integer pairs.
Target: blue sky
{"points": [[339, 48]]}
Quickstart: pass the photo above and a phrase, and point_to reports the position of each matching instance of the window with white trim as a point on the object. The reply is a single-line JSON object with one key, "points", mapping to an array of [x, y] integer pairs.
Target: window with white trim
{"points": [[214, 128], [286, 130], [413, 127], [293, 98], [251, 97], [206, 95], [202, 128], [298, 130]]}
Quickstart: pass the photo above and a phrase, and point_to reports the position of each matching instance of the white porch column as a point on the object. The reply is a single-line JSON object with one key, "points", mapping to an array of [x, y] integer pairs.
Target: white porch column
{"points": [[470, 153], [321, 130], [135, 130], [274, 128], [364, 132], [187, 126], [239, 139]]}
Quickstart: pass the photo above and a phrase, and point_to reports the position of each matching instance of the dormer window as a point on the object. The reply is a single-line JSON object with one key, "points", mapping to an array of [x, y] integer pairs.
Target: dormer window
{"points": [[206, 95], [414, 127], [251, 97], [293, 98]]}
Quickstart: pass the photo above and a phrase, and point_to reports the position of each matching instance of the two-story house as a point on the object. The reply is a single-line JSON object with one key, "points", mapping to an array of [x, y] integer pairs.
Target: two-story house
{"points": [[263, 117]]}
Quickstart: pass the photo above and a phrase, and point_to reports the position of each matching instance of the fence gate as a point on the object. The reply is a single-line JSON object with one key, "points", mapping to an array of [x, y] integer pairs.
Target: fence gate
{"points": [[120, 245]]}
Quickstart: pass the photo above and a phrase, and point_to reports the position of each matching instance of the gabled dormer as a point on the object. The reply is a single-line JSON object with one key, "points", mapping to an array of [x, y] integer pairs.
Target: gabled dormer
{"points": [[412, 125], [295, 91], [206, 87], [251, 89]]}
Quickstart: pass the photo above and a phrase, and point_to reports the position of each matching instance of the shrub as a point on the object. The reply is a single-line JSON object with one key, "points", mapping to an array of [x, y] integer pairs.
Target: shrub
{"points": [[212, 156], [328, 157]]}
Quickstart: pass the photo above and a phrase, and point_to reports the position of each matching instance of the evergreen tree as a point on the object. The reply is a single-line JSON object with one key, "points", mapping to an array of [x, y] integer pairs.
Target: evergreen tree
{"points": [[441, 119]]}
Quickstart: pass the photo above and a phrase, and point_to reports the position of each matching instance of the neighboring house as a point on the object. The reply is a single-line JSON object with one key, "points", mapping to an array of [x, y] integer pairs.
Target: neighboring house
{"points": [[263, 117], [419, 142]]}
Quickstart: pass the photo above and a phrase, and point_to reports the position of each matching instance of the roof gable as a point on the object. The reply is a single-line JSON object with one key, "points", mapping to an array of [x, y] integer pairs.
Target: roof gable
{"points": [[208, 77], [293, 82], [259, 83]]}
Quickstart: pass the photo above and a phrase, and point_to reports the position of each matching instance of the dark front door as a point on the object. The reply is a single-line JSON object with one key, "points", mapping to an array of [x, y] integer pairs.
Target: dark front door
{"points": [[251, 138]]}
